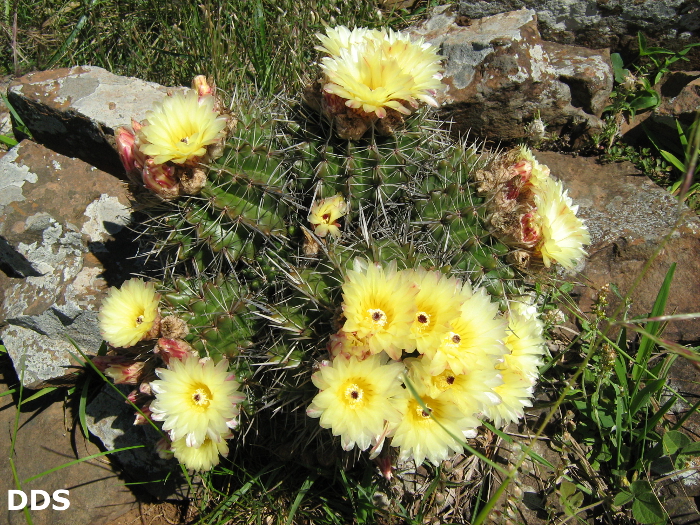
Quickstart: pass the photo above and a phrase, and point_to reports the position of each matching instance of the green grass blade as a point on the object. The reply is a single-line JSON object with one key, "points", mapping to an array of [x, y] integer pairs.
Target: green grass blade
{"points": [[39, 394], [647, 344], [305, 486], [81, 407]]}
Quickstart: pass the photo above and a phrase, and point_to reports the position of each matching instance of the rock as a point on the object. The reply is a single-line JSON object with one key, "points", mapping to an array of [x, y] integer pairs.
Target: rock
{"points": [[75, 111], [600, 23], [500, 73], [61, 224], [44, 441], [111, 420], [628, 217]]}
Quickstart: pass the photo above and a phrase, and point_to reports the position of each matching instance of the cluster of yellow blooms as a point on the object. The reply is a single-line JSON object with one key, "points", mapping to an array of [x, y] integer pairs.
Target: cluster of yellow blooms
{"points": [[197, 400], [374, 70], [469, 363]]}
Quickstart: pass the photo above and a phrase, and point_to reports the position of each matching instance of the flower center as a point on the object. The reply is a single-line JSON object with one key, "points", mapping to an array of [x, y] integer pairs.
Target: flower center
{"points": [[423, 413], [326, 217], [354, 396], [378, 316], [139, 320], [444, 381], [201, 397], [423, 319], [185, 140]]}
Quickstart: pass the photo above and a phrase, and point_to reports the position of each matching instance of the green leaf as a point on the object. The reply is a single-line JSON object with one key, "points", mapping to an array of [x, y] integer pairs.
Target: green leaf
{"points": [[673, 441], [622, 498], [641, 398], [647, 509], [8, 141], [618, 67], [81, 406], [691, 449]]}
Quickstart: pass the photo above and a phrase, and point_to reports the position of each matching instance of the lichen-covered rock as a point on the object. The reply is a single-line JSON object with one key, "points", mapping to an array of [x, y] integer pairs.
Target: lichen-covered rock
{"points": [[602, 23], [61, 224], [75, 111], [500, 75]]}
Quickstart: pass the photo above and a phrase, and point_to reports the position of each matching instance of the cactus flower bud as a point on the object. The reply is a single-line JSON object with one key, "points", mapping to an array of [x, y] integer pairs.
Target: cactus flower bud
{"points": [[128, 373], [173, 349], [161, 179], [203, 88]]}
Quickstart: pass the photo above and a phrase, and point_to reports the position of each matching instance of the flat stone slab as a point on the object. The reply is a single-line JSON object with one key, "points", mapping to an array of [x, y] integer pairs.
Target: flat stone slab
{"points": [[62, 243], [628, 217], [44, 441], [75, 111]]}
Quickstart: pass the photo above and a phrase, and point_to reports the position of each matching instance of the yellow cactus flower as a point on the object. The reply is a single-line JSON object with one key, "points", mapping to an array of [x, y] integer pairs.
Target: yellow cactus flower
{"points": [[515, 394], [563, 234], [427, 433], [181, 128], [128, 314], [356, 399], [376, 70], [471, 392], [196, 399], [525, 339], [324, 215], [477, 331], [538, 172], [379, 305], [437, 304], [201, 458]]}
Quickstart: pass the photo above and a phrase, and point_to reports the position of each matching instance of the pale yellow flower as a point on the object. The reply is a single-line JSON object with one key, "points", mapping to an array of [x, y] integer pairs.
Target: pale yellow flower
{"points": [[181, 128], [477, 331], [470, 392], [525, 339], [438, 302], [356, 399], [196, 399], [201, 458], [431, 432], [127, 314], [515, 393], [539, 172], [375, 70], [563, 234], [324, 215], [379, 306]]}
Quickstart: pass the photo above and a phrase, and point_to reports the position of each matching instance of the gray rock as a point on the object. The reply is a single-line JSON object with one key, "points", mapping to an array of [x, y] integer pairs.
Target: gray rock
{"points": [[75, 111], [571, 21], [500, 75], [52, 257]]}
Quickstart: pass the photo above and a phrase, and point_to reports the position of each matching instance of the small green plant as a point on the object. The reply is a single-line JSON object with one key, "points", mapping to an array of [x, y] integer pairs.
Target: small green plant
{"points": [[636, 91], [618, 428], [683, 156]]}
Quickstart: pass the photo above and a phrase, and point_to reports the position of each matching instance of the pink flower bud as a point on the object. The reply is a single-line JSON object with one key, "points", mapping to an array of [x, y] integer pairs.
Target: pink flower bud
{"points": [[145, 389], [140, 419], [160, 179], [126, 374], [530, 231], [202, 86], [132, 158], [173, 349]]}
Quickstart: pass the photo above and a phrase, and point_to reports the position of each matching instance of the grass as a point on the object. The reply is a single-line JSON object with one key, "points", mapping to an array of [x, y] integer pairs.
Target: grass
{"points": [[607, 412]]}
